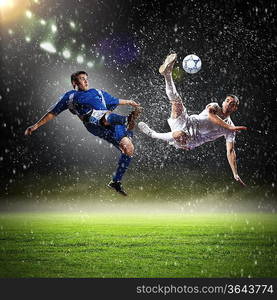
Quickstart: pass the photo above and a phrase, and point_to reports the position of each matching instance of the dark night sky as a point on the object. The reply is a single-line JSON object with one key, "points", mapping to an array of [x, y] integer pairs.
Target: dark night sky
{"points": [[236, 41]]}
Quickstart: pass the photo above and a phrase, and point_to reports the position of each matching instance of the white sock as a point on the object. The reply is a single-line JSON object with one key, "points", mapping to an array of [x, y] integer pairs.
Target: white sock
{"points": [[163, 136], [170, 87]]}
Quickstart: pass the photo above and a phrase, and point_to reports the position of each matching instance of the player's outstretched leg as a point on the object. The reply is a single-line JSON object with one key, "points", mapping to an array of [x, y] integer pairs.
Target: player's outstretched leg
{"points": [[167, 137], [123, 164], [177, 107], [127, 149], [116, 119]]}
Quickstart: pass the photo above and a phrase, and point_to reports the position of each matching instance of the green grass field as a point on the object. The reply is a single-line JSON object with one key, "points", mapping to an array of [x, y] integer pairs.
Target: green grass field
{"points": [[139, 244]]}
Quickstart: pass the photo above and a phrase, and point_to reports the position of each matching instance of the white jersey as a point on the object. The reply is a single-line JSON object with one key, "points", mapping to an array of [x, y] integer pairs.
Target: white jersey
{"points": [[200, 129]]}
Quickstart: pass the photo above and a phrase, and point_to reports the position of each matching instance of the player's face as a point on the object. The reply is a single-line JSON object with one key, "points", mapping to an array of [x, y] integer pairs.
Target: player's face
{"points": [[82, 82], [229, 105]]}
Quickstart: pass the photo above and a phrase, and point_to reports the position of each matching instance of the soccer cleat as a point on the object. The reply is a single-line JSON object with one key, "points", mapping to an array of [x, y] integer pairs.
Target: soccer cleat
{"points": [[145, 128], [168, 64], [133, 117], [117, 186]]}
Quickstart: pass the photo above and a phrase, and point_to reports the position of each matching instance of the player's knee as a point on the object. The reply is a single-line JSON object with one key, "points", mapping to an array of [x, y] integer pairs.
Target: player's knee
{"points": [[129, 152], [130, 149], [179, 136], [127, 147]]}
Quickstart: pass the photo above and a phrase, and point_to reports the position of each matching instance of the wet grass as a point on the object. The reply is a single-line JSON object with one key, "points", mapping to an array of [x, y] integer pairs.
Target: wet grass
{"points": [[137, 245]]}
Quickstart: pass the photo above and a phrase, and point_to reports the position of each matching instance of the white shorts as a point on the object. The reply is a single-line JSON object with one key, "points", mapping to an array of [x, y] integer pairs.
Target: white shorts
{"points": [[179, 124]]}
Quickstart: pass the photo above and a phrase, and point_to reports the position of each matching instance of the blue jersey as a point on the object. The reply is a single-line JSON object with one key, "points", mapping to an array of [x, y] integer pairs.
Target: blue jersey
{"points": [[91, 102]]}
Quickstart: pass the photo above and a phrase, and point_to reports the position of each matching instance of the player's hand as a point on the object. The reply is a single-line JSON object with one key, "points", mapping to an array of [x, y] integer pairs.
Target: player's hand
{"points": [[133, 103], [29, 130], [238, 128], [237, 178]]}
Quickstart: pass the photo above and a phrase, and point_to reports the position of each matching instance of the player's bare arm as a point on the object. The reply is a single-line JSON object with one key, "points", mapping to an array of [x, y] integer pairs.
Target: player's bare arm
{"points": [[213, 117], [232, 159], [47, 117], [128, 102]]}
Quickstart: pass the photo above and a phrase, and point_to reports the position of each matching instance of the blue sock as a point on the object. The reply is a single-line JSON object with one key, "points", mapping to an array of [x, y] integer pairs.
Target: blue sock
{"points": [[115, 119], [123, 164]]}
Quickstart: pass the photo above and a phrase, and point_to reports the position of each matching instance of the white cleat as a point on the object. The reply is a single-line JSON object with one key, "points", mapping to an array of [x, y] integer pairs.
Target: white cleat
{"points": [[168, 64], [145, 128]]}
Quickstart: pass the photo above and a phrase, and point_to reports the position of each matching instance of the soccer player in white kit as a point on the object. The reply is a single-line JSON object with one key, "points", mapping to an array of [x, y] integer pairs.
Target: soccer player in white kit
{"points": [[188, 132]]}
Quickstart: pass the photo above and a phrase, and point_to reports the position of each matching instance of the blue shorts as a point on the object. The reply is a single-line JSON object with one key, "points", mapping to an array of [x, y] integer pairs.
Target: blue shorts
{"points": [[112, 134]]}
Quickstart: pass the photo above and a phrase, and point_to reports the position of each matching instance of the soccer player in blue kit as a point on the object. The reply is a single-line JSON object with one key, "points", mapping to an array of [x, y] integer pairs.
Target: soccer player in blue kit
{"points": [[94, 108]]}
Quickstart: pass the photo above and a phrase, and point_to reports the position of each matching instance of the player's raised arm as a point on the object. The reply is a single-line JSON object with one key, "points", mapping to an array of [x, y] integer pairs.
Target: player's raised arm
{"points": [[214, 118], [128, 102], [53, 111], [231, 156], [47, 117]]}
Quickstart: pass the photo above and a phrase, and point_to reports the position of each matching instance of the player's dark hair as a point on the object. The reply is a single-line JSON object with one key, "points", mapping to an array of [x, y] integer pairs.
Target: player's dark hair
{"points": [[235, 97], [75, 75]]}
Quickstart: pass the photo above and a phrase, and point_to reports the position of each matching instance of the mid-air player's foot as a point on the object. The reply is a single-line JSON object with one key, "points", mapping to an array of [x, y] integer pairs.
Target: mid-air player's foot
{"points": [[133, 117], [168, 64], [117, 186], [145, 128]]}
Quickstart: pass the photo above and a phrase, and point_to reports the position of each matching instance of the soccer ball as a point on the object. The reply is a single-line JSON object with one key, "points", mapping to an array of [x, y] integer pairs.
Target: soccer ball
{"points": [[192, 64]]}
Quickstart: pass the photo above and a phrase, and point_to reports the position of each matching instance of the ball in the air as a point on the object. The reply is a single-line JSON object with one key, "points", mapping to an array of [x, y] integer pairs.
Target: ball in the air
{"points": [[192, 63]]}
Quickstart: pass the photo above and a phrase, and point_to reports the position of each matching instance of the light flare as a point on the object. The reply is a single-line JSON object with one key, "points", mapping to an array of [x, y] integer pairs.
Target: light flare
{"points": [[6, 3], [80, 59], [28, 14], [12, 9], [66, 53], [54, 28], [49, 47], [72, 24]]}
